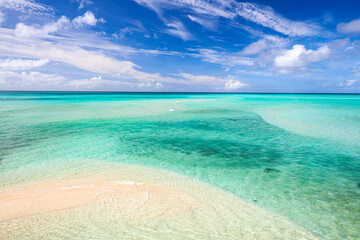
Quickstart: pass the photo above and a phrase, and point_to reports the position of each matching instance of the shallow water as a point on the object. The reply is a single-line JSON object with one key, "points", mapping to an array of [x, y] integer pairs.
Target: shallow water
{"points": [[99, 200], [297, 156]]}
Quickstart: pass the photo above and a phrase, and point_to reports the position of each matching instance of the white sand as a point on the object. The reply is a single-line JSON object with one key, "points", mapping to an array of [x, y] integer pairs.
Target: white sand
{"points": [[132, 202]]}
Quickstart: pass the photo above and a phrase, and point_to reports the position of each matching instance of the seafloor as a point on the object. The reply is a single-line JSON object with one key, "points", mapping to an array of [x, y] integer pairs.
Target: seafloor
{"points": [[216, 166]]}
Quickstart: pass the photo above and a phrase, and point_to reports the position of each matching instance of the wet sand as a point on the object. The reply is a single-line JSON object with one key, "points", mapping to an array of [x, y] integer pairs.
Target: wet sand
{"points": [[134, 202]]}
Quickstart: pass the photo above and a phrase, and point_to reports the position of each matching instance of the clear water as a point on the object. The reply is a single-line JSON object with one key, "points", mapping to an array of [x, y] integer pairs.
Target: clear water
{"points": [[295, 155]]}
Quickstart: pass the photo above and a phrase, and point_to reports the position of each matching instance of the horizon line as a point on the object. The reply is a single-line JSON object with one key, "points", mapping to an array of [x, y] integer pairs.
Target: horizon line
{"points": [[173, 92]]}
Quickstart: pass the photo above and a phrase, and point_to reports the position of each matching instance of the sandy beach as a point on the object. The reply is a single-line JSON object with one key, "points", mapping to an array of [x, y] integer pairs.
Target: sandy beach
{"points": [[131, 200]]}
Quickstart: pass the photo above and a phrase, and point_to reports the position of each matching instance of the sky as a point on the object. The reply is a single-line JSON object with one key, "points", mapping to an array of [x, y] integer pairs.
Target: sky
{"points": [[297, 46]]}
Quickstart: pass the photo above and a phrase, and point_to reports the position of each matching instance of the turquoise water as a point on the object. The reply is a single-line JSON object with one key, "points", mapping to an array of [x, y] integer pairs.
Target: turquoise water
{"points": [[295, 155]]}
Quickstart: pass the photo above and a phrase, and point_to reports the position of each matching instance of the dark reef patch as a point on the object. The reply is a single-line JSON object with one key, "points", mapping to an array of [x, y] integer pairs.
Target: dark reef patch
{"points": [[271, 170]]}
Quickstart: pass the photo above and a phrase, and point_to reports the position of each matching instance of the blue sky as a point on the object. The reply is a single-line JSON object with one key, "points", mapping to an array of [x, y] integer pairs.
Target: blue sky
{"points": [[180, 45]]}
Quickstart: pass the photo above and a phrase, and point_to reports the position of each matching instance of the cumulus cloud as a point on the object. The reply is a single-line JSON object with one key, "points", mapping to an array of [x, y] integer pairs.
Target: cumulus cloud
{"points": [[10, 80], [216, 82], [28, 80], [257, 54], [22, 30], [299, 57], [350, 27], [92, 83], [349, 83], [100, 83], [153, 85], [88, 19], [234, 85], [87, 83], [21, 64]]}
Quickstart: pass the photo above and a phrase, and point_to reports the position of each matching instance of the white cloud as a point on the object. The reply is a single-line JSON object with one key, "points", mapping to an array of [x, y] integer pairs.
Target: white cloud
{"points": [[70, 53], [266, 44], [215, 8], [137, 26], [257, 54], [300, 57], [100, 83], [349, 83], [151, 85], [266, 17], [10, 80], [256, 73], [200, 78], [223, 58], [93, 83], [27, 47], [82, 50], [28, 81], [218, 83], [21, 64], [178, 29], [26, 6], [87, 19], [234, 85], [261, 15], [351, 27], [134, 74], [255, 47], [22, 30], [82, 3], [123, 32], [87, 83], [206, 22]]}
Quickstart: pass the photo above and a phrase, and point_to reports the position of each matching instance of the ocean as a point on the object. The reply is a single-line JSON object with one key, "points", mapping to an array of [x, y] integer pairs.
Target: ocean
{"points": [[294, 157]]}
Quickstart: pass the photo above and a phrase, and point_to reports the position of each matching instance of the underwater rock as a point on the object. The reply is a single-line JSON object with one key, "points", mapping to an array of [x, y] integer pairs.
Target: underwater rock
{"points": [[269, 170]]}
